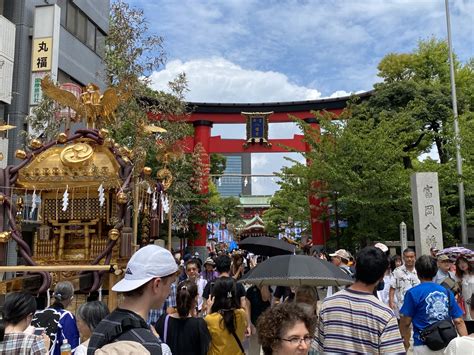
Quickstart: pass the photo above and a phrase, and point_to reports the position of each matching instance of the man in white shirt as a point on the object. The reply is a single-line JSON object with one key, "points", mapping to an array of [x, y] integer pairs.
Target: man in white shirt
{"points": [[404, 278]]}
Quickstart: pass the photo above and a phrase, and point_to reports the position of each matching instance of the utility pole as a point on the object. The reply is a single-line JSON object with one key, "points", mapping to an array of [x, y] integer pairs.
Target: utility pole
{"points": [[462, 204]]}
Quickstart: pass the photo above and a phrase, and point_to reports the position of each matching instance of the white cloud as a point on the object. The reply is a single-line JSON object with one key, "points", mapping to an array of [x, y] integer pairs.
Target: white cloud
{"points": [[264, 51], [336, 45], [342, 93], [219, 80], [339, 93]]}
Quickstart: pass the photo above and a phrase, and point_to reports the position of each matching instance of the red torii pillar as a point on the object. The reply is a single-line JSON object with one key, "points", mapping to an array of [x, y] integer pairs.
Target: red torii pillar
{"points": [[202, 136], [320, 229]]}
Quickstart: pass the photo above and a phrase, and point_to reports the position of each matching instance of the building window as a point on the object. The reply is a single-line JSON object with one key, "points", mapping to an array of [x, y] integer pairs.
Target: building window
{"points": [[90, 38], [81, 26], [84, 29], [71, 18], [100, 43]]}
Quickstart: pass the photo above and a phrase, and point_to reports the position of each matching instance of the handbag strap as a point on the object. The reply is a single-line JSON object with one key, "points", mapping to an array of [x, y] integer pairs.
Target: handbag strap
{"points": [[165, 332], [238, 342]]}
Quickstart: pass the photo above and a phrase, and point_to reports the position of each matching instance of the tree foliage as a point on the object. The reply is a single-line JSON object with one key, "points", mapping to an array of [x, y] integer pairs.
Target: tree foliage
{"points": [[132, 54], [289, 201], [368, 155], [218, 164]]}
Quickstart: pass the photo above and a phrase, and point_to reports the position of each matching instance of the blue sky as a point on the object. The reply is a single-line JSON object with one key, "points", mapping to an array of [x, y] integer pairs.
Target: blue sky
{"points": [[266, 51]]}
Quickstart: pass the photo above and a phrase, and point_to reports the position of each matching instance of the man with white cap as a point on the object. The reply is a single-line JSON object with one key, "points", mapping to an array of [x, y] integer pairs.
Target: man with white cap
{"points": [[340, 258], [146, 284]]}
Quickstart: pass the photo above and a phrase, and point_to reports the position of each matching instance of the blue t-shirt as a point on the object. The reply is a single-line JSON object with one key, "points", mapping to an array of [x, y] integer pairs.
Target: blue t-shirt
{"points": [[426, 304]]}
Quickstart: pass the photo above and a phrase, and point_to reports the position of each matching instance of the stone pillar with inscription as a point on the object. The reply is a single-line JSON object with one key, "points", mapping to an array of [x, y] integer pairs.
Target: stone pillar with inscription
{"points": [[426, 212]]}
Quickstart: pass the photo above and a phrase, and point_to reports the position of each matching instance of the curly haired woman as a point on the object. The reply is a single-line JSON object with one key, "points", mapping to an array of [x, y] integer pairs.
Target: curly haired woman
{"points": [[294, 333]]}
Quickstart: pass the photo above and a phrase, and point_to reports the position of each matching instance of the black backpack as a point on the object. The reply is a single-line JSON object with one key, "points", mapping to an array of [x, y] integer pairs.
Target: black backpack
{"points": [[113, 333]]}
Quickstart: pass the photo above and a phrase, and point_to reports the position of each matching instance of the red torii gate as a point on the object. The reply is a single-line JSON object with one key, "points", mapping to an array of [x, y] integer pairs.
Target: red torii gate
{"points": [[204, 115]]}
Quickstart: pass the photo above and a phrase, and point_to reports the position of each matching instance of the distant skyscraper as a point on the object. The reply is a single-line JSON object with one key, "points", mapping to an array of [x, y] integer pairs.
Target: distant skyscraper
{"points": [[239, 164]]}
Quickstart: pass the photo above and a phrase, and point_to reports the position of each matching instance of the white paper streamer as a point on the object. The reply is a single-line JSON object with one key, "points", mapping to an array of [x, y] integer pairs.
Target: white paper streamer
{"points": [[154, 202], [101, 195], [65, 199], [33, 203]]}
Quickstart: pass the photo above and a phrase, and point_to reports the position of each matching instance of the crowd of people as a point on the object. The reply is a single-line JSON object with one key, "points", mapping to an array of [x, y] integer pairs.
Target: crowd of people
{"points": [[182, 305]]}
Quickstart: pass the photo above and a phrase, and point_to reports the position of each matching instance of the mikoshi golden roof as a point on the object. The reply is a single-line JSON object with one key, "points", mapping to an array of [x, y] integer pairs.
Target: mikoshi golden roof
{"points": [[80, 164]]}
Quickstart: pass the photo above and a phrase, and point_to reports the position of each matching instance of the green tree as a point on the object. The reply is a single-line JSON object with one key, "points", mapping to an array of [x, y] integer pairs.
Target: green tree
{"points": [[290, 201], [224, 207], [218, 164], [131, 55], [368, 155]]}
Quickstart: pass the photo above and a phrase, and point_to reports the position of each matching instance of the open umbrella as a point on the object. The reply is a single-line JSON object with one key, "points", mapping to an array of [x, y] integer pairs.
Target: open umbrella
{"points": [[296, 270], [266, 246], [454, 252]]}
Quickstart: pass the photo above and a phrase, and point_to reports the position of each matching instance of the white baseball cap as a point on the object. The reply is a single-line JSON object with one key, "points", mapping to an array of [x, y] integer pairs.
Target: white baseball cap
{"points": [[342, 253], [382, 247], [147, 263]]}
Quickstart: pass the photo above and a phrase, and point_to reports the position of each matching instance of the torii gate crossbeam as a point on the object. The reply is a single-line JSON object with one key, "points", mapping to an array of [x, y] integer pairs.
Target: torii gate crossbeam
{"points": [[204, 115]]}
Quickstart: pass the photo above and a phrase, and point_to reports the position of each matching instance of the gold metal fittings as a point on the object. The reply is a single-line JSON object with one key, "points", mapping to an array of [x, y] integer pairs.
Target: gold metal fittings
{"points": [[109, 142], [20, 154], [122, 198], [76, 154], [35, 144], [5, 236], [62, 137], [114, 234], [166, 178], [104, 133]]}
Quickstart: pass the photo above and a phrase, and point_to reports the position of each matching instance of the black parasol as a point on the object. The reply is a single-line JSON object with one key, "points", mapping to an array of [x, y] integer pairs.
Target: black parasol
{"points": [[266, 246], [296, 270]]}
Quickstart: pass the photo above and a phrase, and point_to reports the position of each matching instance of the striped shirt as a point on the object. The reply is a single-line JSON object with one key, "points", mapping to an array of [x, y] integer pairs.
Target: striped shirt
{"points": [[357, 322]]}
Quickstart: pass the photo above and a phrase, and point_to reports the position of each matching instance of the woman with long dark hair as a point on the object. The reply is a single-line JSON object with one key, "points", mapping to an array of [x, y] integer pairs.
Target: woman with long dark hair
{"points": [[183, 333], [465, 276], [60, 324], [16, 335], [227, 321]]}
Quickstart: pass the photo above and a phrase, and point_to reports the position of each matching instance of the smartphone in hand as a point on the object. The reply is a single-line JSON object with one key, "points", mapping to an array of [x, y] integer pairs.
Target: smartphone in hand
{"points": [[39, 331]]}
